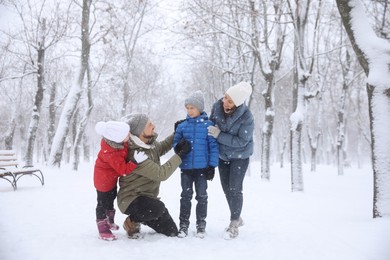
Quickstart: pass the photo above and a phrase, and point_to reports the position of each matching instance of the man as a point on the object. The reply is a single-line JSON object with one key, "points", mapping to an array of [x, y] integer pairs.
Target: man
{"points": [[137, 196]]}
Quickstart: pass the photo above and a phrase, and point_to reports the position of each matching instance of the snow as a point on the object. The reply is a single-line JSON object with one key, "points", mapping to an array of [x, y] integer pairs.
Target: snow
{"points": [[332, 219]]}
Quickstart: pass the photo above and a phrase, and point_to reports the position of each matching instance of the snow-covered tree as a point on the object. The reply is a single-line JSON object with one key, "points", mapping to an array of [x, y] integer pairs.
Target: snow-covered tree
{"points": [[75, 91], [374, 56], [303, 66], [269, 60]]}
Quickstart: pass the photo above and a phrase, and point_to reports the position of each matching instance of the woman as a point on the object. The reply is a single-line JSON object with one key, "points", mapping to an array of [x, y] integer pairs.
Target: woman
{"points": [[233, 130]]}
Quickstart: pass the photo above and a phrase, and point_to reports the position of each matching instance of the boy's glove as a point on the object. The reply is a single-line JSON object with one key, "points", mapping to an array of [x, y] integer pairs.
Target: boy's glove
{"points": [[214, 131], [210, 172], [182, 148], [139, 157]]}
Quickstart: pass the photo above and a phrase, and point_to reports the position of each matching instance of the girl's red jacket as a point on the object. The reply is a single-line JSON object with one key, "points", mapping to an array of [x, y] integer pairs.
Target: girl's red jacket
{"points": [[110, 165]]}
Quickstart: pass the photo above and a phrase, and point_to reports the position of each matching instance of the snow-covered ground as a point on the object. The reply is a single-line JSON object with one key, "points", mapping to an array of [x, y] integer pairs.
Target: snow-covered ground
{"points": [[330, 220]]}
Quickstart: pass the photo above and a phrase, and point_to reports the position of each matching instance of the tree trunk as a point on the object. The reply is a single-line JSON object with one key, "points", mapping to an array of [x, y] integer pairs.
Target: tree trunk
{"points": [[341, 120], [301, 75], [378, 97], [296, 138], [36, 113], [52, 115], [86, 148], [83, 124], [341, 131], [267, 129], [75, 92], [282, 153], [313, 142]]}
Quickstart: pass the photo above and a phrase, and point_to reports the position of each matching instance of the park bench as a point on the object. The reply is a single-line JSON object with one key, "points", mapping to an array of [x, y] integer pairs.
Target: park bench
{"points": [[11, 172]]}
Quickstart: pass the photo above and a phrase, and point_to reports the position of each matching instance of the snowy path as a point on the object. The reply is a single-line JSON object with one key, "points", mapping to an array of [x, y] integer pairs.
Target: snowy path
{"points": [[330, 220]]}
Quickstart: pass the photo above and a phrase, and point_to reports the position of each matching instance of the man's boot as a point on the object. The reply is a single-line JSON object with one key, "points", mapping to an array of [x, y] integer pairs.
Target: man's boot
{"points": [[132, 228]]}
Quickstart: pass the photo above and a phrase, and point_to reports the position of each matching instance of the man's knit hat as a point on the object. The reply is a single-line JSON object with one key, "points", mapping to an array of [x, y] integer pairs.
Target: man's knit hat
{"points": [[113, 130], [137, 123], [196, 99], [239, 92]]}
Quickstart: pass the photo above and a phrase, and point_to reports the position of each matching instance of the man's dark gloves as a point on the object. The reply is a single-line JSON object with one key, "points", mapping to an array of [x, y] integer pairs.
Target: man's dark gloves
{"points": [[210, 172], [182, 148], [178, 123]]}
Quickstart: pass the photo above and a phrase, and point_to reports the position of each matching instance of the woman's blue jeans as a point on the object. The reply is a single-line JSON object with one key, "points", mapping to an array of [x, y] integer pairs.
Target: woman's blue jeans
{"points": [[232, 175]]}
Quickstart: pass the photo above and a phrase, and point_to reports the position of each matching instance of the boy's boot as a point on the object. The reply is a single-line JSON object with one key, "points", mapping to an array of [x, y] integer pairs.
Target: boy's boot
{"points": [[132, 228], [104, 230], [110, 213], [183, 232]]}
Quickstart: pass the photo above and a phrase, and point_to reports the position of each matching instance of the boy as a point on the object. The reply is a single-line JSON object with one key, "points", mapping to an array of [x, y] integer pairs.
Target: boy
{"points": [[198, 165]]}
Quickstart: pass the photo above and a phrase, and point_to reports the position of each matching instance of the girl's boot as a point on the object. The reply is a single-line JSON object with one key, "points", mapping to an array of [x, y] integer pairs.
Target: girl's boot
{"points": [[104, 230], [110, 213]]}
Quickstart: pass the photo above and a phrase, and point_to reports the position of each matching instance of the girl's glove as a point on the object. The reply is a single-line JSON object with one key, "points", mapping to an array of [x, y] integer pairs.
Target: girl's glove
{"points": [[139, 157]]}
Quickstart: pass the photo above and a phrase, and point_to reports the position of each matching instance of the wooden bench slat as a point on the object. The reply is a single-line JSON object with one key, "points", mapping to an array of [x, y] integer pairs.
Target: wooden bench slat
{"points": [[2, 165], [8, 157], [7, 152]]}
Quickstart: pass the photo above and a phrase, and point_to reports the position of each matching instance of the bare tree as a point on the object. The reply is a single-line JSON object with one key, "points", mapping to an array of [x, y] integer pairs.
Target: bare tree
{"points": [[130, 35], [39, 34], [374, 56]]}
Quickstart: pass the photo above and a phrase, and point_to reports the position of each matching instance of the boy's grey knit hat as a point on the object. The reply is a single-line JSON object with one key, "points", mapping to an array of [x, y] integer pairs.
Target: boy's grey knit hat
{"points": [[196, 99]]}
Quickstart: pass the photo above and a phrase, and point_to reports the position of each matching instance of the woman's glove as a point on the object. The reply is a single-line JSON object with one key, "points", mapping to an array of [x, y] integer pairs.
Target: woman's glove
{"points": [[139, 157], [214, 131]]}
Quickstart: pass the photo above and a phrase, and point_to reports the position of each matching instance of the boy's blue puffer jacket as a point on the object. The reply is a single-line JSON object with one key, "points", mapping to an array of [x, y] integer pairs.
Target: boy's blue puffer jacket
{"points": [[204, 148]]}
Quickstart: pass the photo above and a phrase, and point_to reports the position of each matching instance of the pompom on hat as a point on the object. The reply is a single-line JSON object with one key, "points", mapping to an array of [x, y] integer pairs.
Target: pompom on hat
{"points": [[239, 92], [196, 99], [137, 123], [113, 130]]}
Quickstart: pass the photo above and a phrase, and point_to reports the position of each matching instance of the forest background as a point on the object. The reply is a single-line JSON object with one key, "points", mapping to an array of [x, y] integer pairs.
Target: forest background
{"points": [[66, 65]]}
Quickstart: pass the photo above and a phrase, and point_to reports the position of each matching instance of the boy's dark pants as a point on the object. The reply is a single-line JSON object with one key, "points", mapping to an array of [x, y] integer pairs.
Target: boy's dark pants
{"points": [[188, 178]]}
